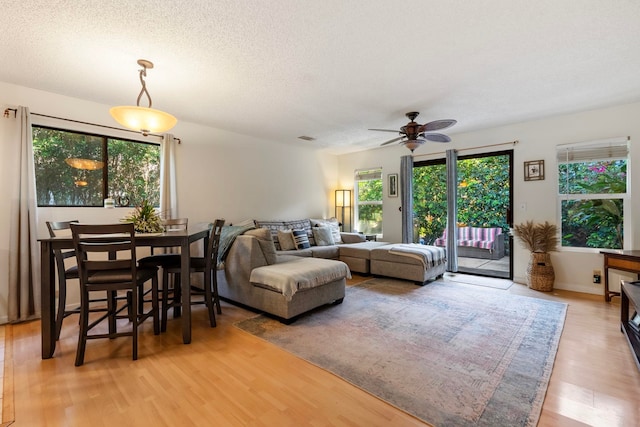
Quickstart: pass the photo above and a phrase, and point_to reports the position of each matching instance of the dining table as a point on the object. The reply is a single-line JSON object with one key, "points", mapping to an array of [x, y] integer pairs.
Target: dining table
{"points": [[169, 238]]}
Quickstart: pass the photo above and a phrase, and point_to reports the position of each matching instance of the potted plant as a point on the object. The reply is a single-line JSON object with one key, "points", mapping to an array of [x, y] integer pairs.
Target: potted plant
{"points": [[145, 218], [539, 239]]}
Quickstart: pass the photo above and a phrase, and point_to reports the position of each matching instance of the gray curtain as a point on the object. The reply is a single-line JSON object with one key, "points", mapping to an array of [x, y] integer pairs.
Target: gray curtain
{"points": [[406, 194], [452, 210], [24, 252], [168, 191]]}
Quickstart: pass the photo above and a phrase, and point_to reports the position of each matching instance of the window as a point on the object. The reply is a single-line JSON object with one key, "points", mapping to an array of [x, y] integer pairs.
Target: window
{"points": [[592, 183], [81, 169], [368, 197]]}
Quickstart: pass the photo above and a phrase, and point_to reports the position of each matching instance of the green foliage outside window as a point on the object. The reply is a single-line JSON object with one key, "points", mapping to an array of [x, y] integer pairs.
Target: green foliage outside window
{"points": [[483, 196], [597, 221], [370, 206], [132, 172]]}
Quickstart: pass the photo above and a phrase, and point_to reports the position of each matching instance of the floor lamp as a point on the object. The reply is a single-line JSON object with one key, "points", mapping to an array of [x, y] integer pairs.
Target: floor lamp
{"points": [[343, 209]]}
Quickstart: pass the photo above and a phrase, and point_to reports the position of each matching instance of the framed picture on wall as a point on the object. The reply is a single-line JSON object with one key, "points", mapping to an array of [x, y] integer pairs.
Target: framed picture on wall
{"points": [[392, 184], [534, 170]]}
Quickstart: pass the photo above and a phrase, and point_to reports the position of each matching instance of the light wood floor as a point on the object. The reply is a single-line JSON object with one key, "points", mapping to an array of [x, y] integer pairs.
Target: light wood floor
{"points": [[227, 377]]}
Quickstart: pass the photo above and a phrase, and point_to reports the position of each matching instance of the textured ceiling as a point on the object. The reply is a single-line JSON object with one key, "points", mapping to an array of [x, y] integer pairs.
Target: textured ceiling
{"points": [[331, 69]]}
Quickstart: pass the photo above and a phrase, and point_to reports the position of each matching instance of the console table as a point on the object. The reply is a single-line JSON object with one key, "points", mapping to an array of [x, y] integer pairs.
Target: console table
{"points": [[619, 260], [630, 294]]}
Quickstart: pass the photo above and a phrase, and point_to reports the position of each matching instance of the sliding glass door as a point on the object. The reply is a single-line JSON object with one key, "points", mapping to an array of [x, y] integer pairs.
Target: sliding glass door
{"points": [[484, 206]]}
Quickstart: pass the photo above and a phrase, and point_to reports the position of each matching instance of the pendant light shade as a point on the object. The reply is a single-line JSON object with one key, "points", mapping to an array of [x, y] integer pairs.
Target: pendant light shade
{"points": [[143, 119], [412, 144]]}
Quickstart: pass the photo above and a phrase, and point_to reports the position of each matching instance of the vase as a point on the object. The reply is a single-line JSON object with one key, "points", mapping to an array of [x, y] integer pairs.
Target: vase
{"points": [[540, 274]]}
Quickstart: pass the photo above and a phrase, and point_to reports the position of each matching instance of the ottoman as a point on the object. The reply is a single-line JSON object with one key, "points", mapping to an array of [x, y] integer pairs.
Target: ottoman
{"points": [[418, 263], [357, 255]]}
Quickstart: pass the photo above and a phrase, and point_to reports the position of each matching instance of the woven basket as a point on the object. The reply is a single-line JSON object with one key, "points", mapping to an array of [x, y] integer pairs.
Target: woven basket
{"points": [[540, 274]]}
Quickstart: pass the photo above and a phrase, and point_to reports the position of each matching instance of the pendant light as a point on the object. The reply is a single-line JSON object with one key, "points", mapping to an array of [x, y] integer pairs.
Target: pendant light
{"points": [[143, 119]]}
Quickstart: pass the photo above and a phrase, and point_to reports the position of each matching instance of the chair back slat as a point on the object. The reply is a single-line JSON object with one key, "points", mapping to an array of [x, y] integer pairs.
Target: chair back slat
{"points": [[103, 248], [215, 230], [175, 224]]}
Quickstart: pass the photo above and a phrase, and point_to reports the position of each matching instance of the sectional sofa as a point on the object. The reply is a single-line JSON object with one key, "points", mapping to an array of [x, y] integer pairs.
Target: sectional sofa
{"points": [[262, 271]]}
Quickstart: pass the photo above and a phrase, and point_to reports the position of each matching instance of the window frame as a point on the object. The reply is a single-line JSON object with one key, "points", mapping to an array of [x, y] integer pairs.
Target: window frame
{"points": [[377, 171], [105, 137], [625, 197]]}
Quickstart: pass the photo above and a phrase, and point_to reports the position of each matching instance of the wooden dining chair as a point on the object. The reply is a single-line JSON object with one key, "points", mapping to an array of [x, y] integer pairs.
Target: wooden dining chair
{"points": [[208, 295], [58, 229], [165, 260], [106, 258]]}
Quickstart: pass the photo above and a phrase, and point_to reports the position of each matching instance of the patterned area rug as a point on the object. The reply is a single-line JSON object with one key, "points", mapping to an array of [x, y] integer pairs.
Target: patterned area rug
{"points": [[448, 353]]}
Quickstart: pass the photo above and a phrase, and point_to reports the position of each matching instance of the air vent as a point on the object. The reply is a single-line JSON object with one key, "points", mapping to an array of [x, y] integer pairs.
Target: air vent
{"points": [[307, 138]]}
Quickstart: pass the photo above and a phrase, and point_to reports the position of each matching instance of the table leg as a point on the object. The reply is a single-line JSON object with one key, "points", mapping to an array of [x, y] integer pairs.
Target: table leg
{"points": [[185, 279], [607, 296], [47, 300]]}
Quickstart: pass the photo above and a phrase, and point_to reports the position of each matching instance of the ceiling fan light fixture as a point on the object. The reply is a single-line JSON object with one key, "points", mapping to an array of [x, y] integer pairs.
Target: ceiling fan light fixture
{"points": [[143, 119], [412, 144]]}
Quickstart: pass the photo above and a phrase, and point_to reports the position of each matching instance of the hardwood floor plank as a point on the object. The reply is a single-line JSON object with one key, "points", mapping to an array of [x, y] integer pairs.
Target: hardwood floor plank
{"points": [[227, 377]]}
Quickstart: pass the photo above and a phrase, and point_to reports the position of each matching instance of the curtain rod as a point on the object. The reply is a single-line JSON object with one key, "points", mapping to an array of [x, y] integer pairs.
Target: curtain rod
{"points": [[471, 148], [6, 114]]}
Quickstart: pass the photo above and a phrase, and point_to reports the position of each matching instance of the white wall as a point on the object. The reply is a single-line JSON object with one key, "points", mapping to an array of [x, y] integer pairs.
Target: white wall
{"points": [[223, 174], [537, 141], [220, 174]]}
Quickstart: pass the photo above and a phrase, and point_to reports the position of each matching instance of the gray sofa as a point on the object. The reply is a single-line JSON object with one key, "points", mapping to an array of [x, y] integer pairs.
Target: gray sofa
{"points": [[351, 248], [259, 274], [284, 286]]}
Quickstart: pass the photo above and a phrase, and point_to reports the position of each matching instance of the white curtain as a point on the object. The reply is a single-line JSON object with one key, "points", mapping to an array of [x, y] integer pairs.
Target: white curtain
{"points": [[24, 252], [168, 191], [406, 192]]}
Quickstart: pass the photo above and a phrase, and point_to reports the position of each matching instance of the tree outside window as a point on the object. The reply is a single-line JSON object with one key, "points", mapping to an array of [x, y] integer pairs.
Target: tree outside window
{"points": [[80, 169], [368, 197], [592, 182]]}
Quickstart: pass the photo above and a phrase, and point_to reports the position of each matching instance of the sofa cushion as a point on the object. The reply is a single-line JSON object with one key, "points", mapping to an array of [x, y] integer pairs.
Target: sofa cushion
{"points": [[360, 250], [332, 223], [285, 238], [327, 252], [323, 236], [301, 239], [297, 274], [273, 227], [476, 237], [353, 237], [301, 224], [266, 243]]}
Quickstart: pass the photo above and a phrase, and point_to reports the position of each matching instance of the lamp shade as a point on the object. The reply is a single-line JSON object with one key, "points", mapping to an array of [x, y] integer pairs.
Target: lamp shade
{"points": [[143, 119], [84, 164], [412, 144], [343, 198]]}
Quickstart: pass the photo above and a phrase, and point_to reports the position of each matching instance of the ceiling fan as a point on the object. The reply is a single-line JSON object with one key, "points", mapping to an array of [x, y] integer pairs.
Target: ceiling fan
{"points": [[413, 135]]}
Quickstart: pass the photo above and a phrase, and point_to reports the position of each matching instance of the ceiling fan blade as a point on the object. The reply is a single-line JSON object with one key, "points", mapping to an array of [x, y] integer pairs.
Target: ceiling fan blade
{"points": [[437, 125], [436, 137], [385, 130], [392, 140]]}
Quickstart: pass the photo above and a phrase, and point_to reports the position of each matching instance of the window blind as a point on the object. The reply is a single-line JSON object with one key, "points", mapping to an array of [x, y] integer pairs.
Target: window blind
{"points": [[368, 174], [610, 149]]}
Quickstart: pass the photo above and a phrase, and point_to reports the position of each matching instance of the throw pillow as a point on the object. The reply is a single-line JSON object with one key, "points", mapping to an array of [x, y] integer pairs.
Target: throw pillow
{"points": [[265, 241], [332, 223], [323, 236], [285, 237], [301, 239]]}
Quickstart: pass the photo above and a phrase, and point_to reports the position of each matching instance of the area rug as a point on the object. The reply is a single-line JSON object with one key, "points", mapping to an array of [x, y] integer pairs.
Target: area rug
{"points": [[448, 353], [489, 282]]}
